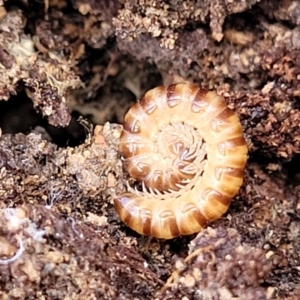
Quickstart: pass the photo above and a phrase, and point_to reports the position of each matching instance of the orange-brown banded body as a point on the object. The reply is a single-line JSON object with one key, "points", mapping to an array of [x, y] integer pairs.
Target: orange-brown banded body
{"points": [[187, 149]]}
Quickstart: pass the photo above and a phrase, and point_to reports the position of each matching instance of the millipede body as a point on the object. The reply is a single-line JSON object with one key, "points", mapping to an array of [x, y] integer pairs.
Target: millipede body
{"points": [[187, 150]]}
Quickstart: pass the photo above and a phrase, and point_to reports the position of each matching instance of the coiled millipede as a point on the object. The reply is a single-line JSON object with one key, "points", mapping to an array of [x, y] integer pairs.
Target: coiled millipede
{"points": [[187, 149]]}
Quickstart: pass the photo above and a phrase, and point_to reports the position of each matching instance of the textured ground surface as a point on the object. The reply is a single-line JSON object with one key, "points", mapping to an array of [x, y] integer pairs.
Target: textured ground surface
{"points": [[67, 66]]}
